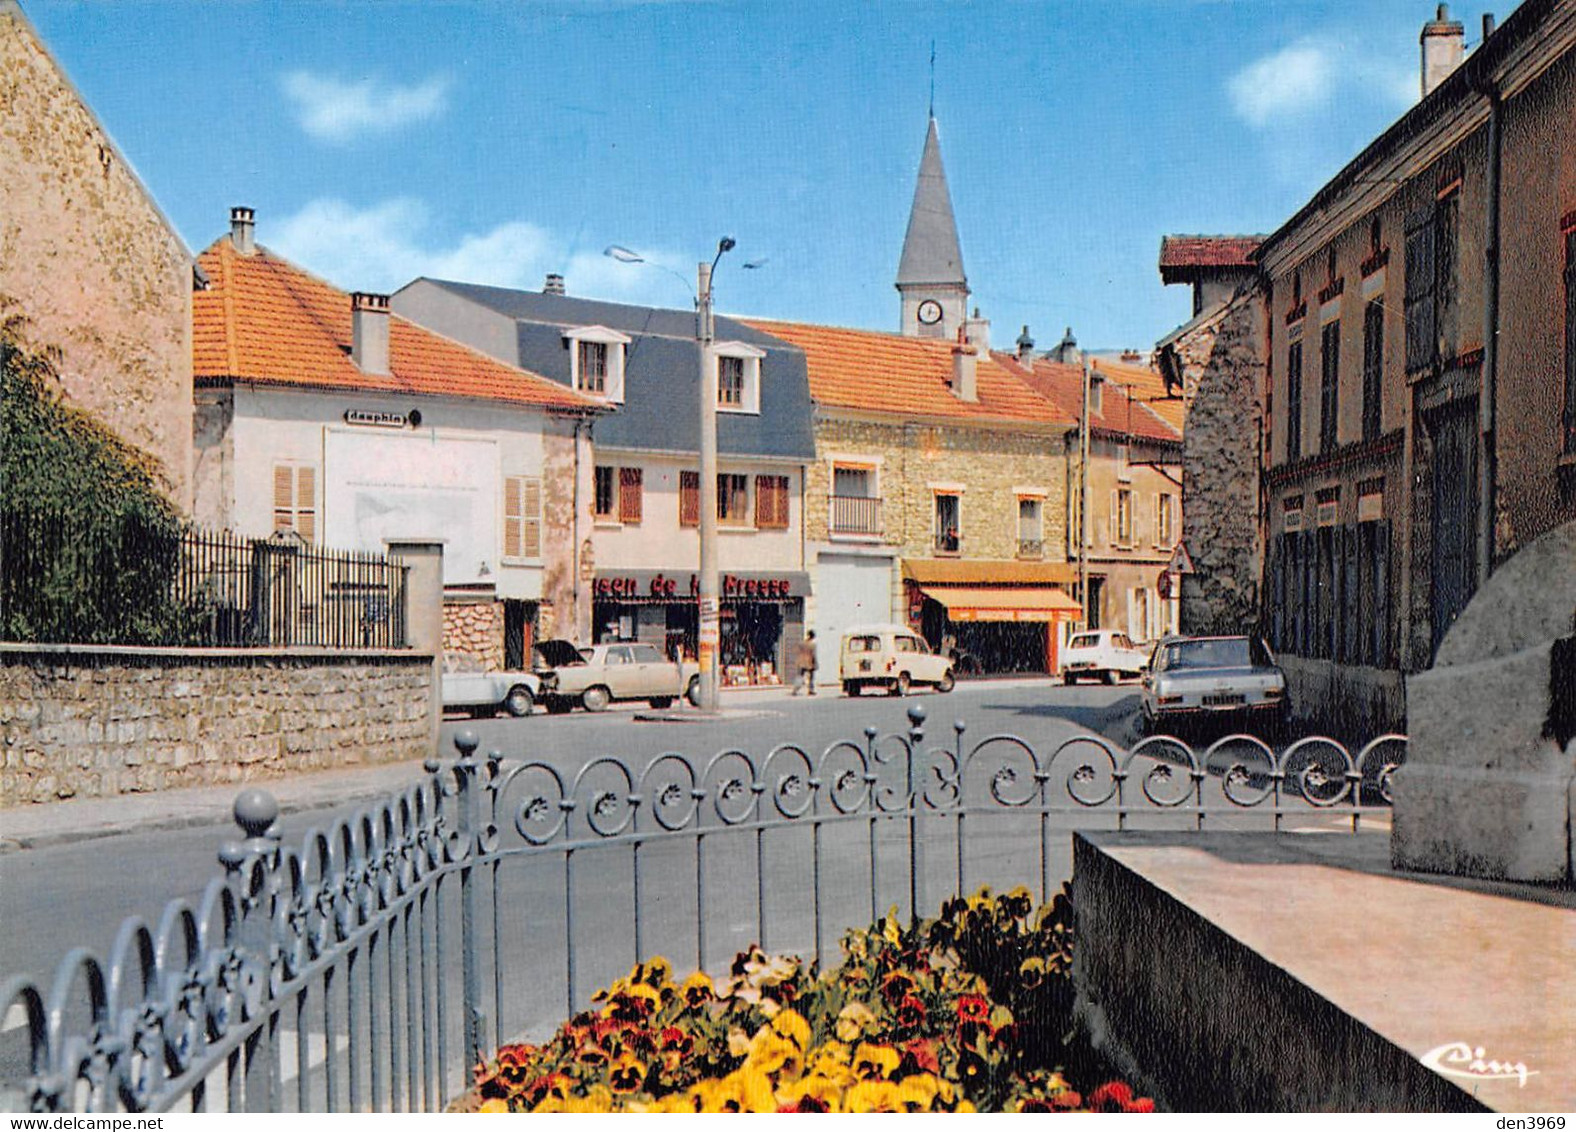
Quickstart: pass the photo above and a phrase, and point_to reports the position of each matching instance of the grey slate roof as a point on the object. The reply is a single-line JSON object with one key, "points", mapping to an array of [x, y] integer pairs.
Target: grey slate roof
{"points": [[931, 253], [660, 410]]}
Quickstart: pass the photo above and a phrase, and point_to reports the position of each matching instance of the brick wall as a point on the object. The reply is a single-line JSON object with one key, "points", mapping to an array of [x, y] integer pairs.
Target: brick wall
{"points": [[990, 464], [90, 264], [78, 722]]}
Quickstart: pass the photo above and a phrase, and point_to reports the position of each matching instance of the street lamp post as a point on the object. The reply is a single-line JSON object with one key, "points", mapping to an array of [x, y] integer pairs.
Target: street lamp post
{"points": [[709, 609]]}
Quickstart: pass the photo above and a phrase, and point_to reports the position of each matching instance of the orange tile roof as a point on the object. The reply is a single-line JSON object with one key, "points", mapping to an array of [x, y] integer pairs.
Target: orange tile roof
{"points": [[262, 319], [1147, 387], [1183, 252], [889, 373], [1122, 412]]}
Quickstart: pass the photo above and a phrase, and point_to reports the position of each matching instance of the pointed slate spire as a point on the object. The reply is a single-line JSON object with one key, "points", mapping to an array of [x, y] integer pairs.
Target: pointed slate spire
{"points": [[931, 253]]}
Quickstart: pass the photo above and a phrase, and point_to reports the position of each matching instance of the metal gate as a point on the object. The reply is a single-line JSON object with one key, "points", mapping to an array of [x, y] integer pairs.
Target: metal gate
{"points": [[372, 966]]}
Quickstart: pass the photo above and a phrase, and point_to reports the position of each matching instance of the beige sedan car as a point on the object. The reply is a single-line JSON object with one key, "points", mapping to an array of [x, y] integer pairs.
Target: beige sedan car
{"points": [[596, 675]]}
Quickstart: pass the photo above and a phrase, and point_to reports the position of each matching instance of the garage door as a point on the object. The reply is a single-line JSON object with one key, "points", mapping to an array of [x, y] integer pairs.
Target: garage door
{"points": [[849, 590]]}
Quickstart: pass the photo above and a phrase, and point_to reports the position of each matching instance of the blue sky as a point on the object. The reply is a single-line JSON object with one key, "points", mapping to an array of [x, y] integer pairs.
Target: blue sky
{"points": [[495, 142]]}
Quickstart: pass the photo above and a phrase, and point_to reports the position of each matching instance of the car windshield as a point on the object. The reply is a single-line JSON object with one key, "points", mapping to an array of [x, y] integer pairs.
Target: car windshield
{"points": [[1225, 652]]}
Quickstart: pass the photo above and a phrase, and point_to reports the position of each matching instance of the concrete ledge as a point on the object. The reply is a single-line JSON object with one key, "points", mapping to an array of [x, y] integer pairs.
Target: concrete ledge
{"points": [[1252, 972]]}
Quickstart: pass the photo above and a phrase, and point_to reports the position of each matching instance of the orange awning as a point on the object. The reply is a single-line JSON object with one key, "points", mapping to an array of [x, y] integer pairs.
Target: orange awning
{"points": [[1021, 603]]}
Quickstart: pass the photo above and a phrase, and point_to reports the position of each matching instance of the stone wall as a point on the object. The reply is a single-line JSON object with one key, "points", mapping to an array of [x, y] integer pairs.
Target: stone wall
{"points": [[90, 263], [96, 722], [1220, 473], [990, 464], [566, 602], [474, 630]]}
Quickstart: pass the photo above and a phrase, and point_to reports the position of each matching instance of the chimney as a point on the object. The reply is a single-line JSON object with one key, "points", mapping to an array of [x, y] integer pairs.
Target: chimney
{"points": [[1488, 24], [1025, 348], [241, 224], [1066, 350], [554, 284], [976, 331], [369, 332], [965, 363], [1444, 42]]}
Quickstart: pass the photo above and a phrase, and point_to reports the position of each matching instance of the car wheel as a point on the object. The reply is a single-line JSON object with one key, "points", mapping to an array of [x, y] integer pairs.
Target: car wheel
{"points": [[900, 685], [1069, 679], [851, 687], [1108, 677], [946, 683], [692, 693], [519, 701], [661, 702], [596, 699]]}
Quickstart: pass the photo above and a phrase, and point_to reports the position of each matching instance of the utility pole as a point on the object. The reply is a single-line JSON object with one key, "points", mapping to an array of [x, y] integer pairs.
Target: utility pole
{"points": [[710, 612]]}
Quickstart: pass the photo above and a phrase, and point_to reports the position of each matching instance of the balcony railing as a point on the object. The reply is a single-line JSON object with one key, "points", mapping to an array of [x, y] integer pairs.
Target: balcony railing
{"points": [[855, 514], [1031, 548]]}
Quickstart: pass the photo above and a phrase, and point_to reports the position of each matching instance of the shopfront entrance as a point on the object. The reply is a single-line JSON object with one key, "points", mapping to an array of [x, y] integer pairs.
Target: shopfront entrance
{"points": [[993, 618], [762, 618]]}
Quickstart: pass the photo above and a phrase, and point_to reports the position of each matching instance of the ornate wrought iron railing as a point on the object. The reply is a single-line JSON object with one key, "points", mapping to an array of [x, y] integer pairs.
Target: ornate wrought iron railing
{"points": [[371, 967]]}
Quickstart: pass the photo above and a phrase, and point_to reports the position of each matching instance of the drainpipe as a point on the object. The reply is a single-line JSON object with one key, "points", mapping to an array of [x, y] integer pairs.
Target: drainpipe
{"points": [[1488, 471], [574, 554], [1083, 496]]}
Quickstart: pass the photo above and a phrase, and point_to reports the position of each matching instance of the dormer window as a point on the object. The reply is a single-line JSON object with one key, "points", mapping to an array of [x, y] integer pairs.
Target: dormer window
{"points": [[738, 377], [596, 361]]}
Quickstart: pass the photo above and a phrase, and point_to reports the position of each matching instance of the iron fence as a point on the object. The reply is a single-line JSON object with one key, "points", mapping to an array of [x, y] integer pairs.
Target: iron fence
{"points": [[125, 581], [374, 965]]}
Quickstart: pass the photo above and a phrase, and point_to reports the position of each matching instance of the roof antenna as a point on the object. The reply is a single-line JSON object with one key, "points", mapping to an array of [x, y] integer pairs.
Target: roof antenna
{"points": [[933, 78]]}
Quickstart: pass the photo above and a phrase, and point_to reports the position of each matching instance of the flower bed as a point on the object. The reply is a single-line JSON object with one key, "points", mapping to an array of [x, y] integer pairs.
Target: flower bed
{"points": [[967, 1012]]}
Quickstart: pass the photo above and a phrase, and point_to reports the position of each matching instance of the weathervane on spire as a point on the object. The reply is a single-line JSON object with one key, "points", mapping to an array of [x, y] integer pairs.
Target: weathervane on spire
{"points": [[933, 78]]}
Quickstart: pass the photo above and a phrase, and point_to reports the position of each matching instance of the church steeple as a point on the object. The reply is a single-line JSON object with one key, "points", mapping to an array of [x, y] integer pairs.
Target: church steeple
{"points": [[930, 278]]}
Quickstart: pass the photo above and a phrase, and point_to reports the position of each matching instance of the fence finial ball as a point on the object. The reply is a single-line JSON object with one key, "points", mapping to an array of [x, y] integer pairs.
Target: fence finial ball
{"points": [[916, 714], [466, 742], [255, 810]]}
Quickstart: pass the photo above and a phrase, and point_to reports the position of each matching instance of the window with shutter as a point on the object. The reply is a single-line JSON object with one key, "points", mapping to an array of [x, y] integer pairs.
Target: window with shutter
{"points": [[630, 485], [522, 517], [1329, 384], [603, 502], [771, 502], [1422, 340], [1294, 402], [689, 499], [1373, 367], [1570, 341], [733, 498], [295, 499]]}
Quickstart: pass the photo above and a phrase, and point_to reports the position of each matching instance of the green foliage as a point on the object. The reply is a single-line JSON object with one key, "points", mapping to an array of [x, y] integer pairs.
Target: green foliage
{"points": [[88, 545]]}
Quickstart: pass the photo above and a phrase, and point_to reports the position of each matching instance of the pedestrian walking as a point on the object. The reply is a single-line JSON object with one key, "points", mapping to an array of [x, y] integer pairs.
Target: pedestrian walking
{"points": [[806, 664]]}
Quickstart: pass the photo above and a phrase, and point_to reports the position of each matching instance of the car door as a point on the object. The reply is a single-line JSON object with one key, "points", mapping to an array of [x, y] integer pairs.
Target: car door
{"points": [[618, 669], [655, 674]]}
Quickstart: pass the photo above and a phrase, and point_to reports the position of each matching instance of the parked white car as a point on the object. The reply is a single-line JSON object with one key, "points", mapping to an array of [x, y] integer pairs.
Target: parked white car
{"points": [[594, 676], [1101, 654], [470, 689], [893, 657]]}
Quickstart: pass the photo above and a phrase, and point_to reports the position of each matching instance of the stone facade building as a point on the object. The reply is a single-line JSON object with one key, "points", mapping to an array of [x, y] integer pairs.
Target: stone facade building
{"points": [[321, 413], [96, 274], [1419, 396]]}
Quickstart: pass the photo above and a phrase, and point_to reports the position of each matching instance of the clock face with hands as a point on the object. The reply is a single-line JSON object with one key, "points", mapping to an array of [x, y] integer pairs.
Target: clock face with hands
{"points": [[929, 312]]}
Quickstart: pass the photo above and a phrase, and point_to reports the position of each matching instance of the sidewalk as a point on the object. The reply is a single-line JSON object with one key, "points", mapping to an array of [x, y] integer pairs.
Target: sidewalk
{"points": [[55, 823]]}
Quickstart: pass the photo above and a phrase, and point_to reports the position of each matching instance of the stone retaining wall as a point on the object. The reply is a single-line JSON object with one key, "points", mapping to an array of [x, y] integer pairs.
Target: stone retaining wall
{"points": [[96, 722]]}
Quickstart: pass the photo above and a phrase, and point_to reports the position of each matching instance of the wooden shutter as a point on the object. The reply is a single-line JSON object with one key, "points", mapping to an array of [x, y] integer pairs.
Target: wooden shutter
{"points": [[771, 502], [1113, 532], [1422, 335], [530, 517], [689, 499], [522, 517], [295, 499], [629, 495]]}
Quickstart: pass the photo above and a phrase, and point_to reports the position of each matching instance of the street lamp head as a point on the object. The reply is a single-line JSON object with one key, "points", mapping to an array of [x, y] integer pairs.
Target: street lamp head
{"points": [[726, 244], [622, 254]]}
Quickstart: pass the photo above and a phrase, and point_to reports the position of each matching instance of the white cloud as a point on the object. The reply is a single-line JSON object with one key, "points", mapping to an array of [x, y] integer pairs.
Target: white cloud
{"points": [[333, 110], [1292, 81], [386, 245]]}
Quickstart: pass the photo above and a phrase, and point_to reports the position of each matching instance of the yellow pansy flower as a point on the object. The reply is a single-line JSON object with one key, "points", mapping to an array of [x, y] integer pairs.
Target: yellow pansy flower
{"points": [[771, 1052], [494, 1104], [872, 1096], [791, 1025], [875, 1060], [853, 1020]]}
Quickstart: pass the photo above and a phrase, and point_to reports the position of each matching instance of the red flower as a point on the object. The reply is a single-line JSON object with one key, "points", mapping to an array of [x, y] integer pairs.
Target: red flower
{"points": [[1142, 1104], [973, 1008], [895, 986], [1111, 1096], [673, 1038], [804, 1104], [1068, 1098], [518, 1054], [910, 1013]]}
